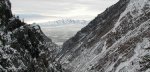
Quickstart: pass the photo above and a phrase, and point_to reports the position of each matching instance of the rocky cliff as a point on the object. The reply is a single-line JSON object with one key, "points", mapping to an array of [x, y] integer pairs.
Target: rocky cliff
{"points": [[117, 40], [24, 47]]}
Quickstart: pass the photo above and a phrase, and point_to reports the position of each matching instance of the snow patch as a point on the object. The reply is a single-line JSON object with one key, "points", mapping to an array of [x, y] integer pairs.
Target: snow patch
{"points": [[133, 5]]}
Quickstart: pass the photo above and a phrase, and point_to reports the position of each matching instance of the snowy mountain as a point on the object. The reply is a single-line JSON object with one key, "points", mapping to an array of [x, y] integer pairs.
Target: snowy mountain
{"points": [[61, 30], [24, 47], [63, 22], [117, 40]]}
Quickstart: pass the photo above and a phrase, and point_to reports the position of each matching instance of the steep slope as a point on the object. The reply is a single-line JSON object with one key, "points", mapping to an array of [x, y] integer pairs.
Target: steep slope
{"points": [[23, 47], [118, 40]]}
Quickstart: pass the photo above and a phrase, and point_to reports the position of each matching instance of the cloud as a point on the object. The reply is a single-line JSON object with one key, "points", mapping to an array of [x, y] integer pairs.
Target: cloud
{"points": [[61, 8], [31, 18]]}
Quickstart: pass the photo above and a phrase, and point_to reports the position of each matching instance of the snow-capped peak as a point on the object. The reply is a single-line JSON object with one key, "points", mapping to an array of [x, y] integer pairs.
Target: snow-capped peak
{"points": [[64, 22]]}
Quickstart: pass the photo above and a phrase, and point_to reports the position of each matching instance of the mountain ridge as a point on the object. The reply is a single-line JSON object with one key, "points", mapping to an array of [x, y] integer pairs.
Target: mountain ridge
{"points": [[117, 40], [64, 22], [24, 47], [114, 41]]}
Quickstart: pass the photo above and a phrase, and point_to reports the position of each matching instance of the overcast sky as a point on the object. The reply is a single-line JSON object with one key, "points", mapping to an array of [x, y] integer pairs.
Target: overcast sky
{"points": [[49, 10]]}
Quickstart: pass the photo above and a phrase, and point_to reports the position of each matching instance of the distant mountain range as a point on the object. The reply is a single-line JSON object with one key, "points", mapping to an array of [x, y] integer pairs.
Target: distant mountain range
{"points": [[63, 22], [61, 30]]}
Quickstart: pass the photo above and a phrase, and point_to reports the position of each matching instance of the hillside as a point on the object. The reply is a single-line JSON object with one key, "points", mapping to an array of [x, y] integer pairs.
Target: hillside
{"points": [[24, 47], [117, 40]]}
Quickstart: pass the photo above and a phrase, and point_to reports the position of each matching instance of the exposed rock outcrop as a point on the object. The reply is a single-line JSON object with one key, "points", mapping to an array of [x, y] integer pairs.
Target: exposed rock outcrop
{"points": [[117, 40], [24, 47]]}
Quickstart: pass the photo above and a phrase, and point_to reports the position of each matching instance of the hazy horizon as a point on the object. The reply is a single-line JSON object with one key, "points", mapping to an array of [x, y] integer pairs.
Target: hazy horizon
{"points": [[49, 10]]}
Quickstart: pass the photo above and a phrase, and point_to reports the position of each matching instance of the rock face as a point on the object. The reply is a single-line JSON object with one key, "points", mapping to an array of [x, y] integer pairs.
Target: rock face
{"points": [[118, 40], [23, 47]]}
